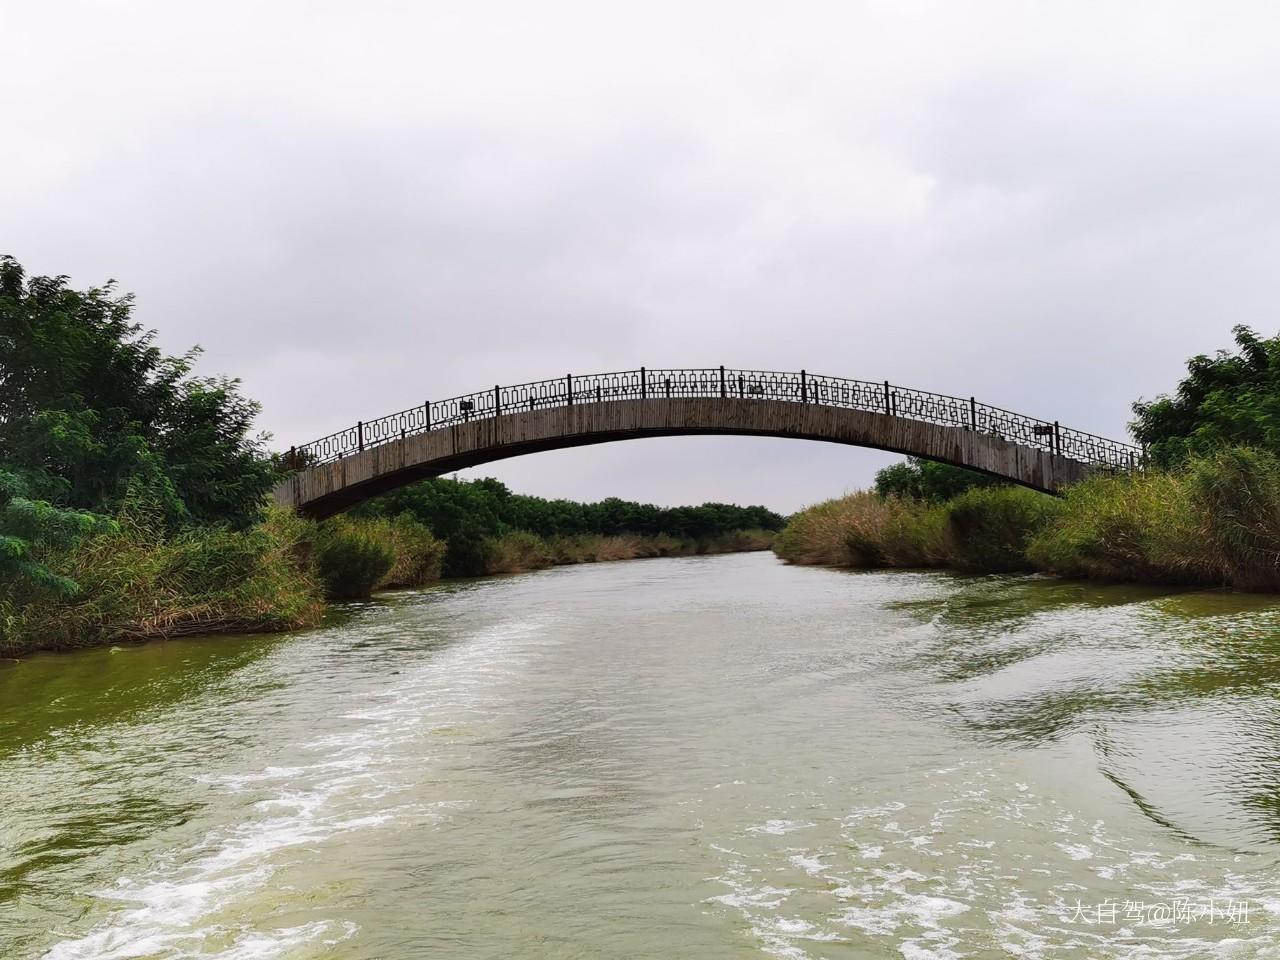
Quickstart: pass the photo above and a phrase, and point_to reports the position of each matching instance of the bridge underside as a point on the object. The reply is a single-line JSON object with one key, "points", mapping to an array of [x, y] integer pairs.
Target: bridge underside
{"points": [[329, 488]]}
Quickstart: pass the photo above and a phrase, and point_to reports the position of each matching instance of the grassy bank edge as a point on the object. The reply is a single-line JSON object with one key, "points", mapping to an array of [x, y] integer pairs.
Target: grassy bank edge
{"points": [[1214, 522], [138, 583]]}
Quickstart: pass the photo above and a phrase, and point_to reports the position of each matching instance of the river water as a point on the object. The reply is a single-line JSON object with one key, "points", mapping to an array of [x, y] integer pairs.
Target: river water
{"points": [[706, 757]]}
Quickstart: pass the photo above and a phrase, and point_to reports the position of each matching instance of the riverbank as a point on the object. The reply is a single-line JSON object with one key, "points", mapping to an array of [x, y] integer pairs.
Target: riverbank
{"points": [[138, 582], [726, 760], [1213, 522]]}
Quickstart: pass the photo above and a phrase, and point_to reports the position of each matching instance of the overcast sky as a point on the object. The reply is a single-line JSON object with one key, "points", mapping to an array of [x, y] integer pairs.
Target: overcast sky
{"points": [[355, 206]]}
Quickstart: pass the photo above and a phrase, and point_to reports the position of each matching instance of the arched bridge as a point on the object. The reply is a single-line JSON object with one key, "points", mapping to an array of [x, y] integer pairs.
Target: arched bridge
{"points": [[439, 437]]}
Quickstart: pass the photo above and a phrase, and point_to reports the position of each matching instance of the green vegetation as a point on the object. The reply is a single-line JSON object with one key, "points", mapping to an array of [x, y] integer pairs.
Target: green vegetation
{"points": [[139, 581], [489, 529], [30, 528], [1237, 494], [1205, 512], [93, 415], [1141, 528], [1215, 521], [865, 530], [521, 550], [418, 553], [983, 530], [1227, 399], [351, 558], [134, 578], [354, 557], [132, 493], [918, 479], [133, 498], [989, 530]]}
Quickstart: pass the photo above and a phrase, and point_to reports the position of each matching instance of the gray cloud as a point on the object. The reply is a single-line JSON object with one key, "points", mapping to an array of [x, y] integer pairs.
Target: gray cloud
{"points": [[358, 207]]}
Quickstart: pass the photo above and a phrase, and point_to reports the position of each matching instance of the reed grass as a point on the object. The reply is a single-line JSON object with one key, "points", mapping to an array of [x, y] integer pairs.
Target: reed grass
{"points": [[1213, 522], [138, 584], [1236, 492], [519, 550], [1145, 528], [864, 529], [990, 529]]}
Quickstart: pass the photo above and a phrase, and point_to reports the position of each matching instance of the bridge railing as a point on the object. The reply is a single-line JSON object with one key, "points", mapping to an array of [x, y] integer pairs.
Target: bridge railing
{"points": [[658, 383]]}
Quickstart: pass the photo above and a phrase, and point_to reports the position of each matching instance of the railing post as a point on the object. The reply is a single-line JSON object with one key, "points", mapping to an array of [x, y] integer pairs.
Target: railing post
{"points": [[667, 381], [497, 400], [568, 387], [722, 393], [360, 435], [1057, 439], [887, 409], [426, 416], [293, 458], [973, 414], [644, 392], [804, 387]]}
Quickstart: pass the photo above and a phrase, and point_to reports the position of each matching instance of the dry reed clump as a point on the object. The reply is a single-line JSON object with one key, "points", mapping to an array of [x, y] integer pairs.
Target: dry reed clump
{"points": [[817, 534], [737, 541], [519, 551], [515, 552], [864, 529]]}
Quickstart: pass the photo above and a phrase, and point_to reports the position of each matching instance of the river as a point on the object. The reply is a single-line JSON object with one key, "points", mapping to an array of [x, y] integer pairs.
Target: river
{"points": [[711, 757]]}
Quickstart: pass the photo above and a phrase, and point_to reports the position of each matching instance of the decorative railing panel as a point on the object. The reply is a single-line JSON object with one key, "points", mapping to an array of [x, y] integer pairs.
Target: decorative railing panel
{"points": [[661, 383]]}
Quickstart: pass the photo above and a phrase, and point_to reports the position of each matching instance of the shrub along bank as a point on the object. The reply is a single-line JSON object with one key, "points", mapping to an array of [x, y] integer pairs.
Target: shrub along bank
{"points": [[138, 581], [1213, 521], [489, 529], [133, 578]]}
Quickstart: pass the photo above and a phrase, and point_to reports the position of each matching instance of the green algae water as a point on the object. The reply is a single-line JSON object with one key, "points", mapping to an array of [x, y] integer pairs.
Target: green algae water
{"points": [[708, 757]]}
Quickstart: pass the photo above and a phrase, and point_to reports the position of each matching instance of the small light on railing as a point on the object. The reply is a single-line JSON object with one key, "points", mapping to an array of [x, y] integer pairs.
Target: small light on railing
{"points": [[466, 406], [1043, 429], [755, 388]]}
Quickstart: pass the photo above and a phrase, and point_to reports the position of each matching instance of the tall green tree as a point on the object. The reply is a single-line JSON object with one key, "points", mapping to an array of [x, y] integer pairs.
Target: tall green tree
{"points": [[1232, 397], [919, 479], [92, 412]]}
